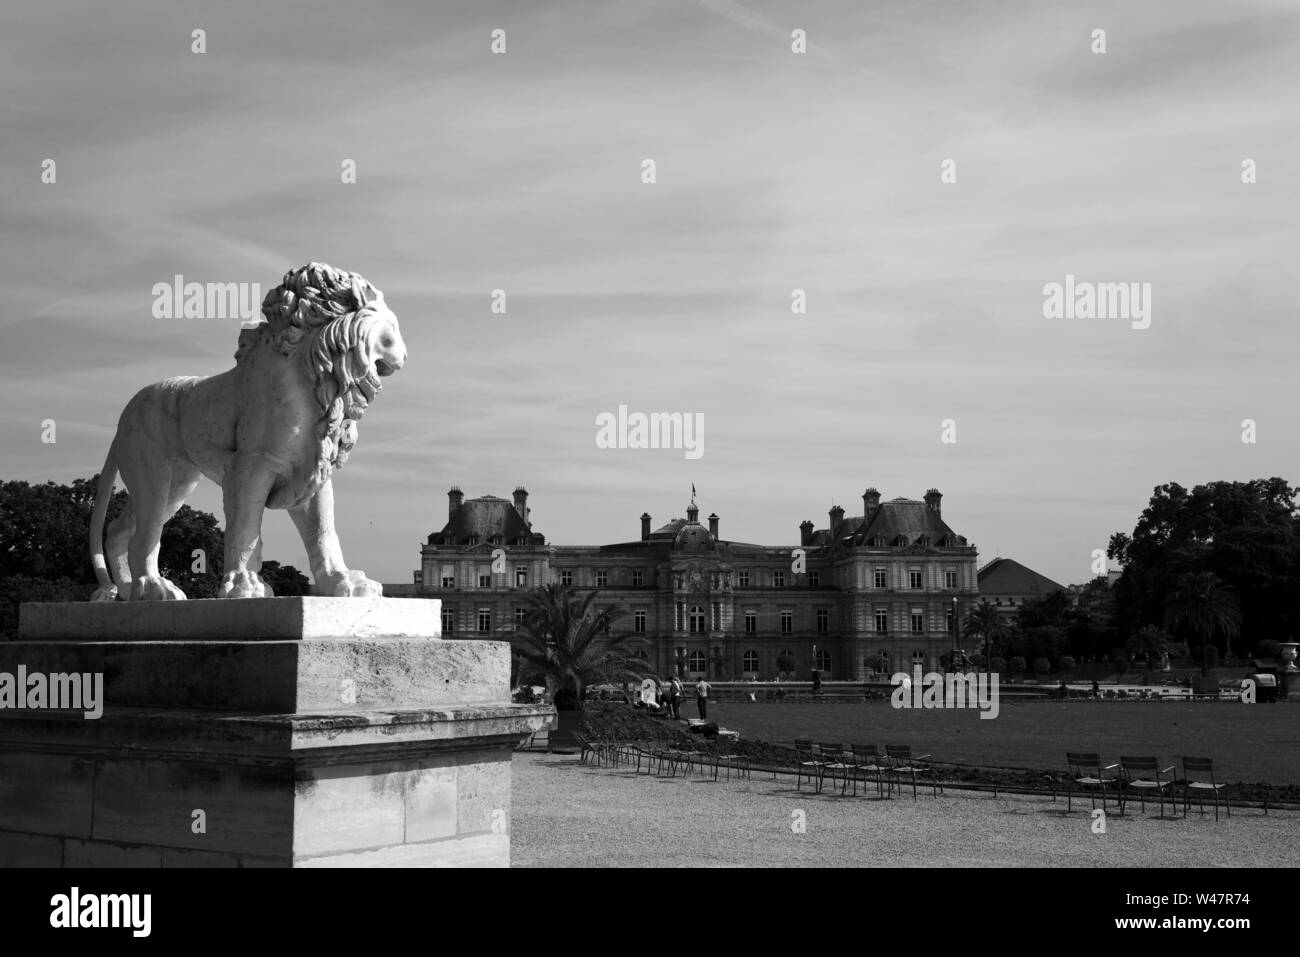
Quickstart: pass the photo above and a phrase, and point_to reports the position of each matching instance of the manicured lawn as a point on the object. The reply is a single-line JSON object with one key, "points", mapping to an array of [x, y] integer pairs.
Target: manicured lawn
{"points": [[1249, 743]]}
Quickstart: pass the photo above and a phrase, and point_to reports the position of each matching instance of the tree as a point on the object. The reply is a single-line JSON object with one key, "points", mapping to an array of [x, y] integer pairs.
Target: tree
{"points": [[785, 663], [1205, 606], [570, 645], [984, 621], [1246, 533], [285, 580], [1151, 643]]}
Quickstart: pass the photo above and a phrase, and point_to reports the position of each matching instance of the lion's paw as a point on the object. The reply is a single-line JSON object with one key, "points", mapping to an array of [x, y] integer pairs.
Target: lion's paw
{"points": [[149, 588], [243, 584], [104, 593], [352, 584]]}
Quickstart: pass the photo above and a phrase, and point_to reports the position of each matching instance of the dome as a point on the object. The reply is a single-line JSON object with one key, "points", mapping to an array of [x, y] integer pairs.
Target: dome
{"points": [[693, 537]]}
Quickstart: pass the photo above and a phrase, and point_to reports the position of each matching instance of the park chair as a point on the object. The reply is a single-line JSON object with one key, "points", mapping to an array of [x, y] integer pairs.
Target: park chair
{"points": [[1201, 766], [867, 760], [1144, 774], [901, 762], [835, 760], [809, 764], [1087, 774], [728, 758]]}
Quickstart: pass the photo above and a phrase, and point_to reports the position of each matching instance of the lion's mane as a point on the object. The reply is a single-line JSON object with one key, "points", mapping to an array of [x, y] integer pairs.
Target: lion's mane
{"points": [[327, 315]]}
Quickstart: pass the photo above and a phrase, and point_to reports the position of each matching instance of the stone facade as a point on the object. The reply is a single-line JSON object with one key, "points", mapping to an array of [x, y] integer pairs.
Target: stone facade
{"points": [[867, 594]]}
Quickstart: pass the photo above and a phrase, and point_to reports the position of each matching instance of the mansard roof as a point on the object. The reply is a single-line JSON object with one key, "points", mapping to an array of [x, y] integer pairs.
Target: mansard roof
{"points": [[484, 518], [898, 521]]}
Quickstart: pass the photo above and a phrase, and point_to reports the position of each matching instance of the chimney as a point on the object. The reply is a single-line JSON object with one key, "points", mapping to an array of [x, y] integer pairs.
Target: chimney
{"points": [[932, 500], [454, 499], [521, 504], [713, 525], [693, 515], [806, 533], [837, 519], [870, 504], [645, 526]]}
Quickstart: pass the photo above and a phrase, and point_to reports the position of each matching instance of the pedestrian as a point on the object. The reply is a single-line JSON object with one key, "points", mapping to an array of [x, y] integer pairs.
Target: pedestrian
{"points": [[675, 694], [702, 698]]}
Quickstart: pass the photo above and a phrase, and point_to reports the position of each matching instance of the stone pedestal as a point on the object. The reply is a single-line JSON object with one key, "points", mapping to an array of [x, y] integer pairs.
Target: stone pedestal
{"points": [[281, 732]]}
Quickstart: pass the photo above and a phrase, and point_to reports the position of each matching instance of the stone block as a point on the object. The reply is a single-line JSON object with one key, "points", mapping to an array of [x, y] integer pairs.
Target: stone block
{"points": [[223, 619]]}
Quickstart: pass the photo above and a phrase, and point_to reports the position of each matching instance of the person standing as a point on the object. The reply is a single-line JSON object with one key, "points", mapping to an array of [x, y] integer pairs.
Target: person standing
{"points": [[702, 698], [675, 694]]}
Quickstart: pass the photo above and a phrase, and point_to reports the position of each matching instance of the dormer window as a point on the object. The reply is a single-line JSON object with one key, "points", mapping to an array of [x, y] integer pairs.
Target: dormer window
{"points": [[472, 540], [497, 539]]}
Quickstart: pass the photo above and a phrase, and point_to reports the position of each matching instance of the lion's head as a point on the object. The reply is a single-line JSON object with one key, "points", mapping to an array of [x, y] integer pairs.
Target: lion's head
{"points": [[348, 340]]}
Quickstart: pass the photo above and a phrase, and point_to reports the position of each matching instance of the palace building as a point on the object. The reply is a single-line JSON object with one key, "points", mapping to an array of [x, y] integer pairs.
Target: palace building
{"points": [[873, 593]]}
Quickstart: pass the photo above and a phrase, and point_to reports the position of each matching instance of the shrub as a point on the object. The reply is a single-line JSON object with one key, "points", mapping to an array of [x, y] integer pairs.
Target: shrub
{"points": [[1121, 664], [1042, 666], [1068, 663], [999, 664], [1269, 648], [1017, 663]]}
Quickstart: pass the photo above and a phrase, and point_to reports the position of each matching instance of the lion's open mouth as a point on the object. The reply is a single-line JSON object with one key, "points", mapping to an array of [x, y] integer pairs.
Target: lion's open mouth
{"points": [[384, 368]]}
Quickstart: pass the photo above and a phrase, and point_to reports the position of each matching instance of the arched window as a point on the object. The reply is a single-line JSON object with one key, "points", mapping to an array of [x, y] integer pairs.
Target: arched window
{"points": [[751, 660], [695, 661], [823, 660], [697, 618], [918, 658]]}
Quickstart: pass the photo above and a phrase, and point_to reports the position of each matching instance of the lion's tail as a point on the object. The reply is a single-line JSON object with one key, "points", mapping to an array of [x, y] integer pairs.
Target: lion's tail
{"points": [[103, 495]]}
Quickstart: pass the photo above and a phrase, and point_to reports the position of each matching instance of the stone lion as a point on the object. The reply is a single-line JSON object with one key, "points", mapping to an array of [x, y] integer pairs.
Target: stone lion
{"points": [[270, 432]]}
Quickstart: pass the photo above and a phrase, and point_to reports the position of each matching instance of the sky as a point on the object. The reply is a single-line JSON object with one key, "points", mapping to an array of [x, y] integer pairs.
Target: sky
{"points": [[774, 171]]}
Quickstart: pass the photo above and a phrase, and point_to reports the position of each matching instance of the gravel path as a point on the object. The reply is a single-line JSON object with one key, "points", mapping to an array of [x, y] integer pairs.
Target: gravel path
{"points": [[566, 814]]}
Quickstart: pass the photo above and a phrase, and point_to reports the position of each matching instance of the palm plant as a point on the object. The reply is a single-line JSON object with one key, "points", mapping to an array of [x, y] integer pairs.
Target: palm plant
{"points": [[986, 622], [1205, 605], [570, 645], [1151, 643]]}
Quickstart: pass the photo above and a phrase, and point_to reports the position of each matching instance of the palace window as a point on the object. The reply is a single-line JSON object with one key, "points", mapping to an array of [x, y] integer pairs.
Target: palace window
{"points": [[814, 579], [448, 576], [880, 579], [914, 578], [448, 621], [521, 616], [823, 620], [918, 621], [743, 579], [697, 618], [751, 660], [918, 658], [521, 576], [484, 581], [751, 622], [787, 622], [823, 660], [566, 578], [882, 620], [602, 578], [484, 620], [638, 620], [949, 579], [695, 661], [638, 578], [778, 579]]}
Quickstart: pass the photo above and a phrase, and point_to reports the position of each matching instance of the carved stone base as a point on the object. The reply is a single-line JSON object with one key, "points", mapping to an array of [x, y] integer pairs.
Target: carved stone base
{"points": [[290, 752]]}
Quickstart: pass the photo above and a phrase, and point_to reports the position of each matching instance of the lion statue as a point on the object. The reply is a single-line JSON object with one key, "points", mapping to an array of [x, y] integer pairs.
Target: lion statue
{"points": [[270, 432]]}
